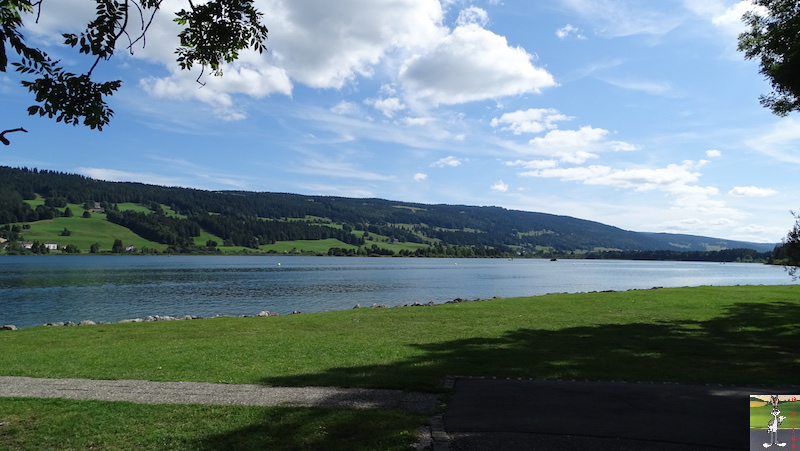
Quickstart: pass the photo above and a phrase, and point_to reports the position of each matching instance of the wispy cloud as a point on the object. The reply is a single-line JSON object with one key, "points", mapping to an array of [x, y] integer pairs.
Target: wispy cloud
{"points": [[534, 120], [752, 191], [114, 175], [569, 31], [339, 170], [677, 180], [655, 88], [780, 142], [617, 18], [449, 161]]}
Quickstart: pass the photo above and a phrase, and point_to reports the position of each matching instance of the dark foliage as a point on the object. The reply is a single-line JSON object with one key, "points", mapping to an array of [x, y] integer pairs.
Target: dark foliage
{"points": [[252, 219], [773, 38], [212, 33]]}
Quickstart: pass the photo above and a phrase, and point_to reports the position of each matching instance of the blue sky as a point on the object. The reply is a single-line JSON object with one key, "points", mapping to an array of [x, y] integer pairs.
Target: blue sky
{"points": [[634, 113]]}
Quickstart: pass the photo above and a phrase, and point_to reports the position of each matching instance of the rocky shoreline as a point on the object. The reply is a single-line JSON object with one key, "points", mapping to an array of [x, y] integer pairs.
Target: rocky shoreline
{"points": [[265, 313], [147, 319]]}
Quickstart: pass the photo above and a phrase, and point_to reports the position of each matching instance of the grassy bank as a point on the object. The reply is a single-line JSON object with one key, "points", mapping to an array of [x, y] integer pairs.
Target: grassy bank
{"points": [[734, 335], [37, 424]]}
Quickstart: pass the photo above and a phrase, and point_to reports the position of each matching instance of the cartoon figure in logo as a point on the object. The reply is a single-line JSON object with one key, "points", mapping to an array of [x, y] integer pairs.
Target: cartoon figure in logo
{"points": [[772, 426]]}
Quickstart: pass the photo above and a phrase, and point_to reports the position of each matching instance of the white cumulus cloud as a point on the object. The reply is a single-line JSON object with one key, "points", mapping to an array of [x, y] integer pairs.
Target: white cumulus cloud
{"points": [[534, 164], [500, 187], [751, 191], [575, 146], [387, 106], [569, 30], [450, 161], [472, 15], [533, 120], [673, 178], [679, 181], [472, 64]]}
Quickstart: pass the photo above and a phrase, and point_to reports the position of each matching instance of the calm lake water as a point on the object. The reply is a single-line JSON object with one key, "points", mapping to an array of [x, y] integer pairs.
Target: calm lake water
{"points": [[41, 289]]}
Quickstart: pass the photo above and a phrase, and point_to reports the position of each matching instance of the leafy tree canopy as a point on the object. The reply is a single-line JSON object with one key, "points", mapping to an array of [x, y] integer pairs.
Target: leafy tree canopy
{"points": [[773, 38], [214, 32], [791, 248]]}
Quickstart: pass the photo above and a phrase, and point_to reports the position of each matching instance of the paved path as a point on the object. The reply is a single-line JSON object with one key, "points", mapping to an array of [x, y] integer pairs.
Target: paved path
{"points": [[487, 414], [148, 392], [484, 414]]}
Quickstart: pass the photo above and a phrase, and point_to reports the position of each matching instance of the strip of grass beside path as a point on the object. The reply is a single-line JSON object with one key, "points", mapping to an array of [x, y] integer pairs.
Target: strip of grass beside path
{"points": [[36, 424], [731, 335]]}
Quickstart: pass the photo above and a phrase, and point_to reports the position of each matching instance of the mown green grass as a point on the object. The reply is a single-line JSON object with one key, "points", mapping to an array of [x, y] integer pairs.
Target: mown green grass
{"points": [[37, 424], [734, 335], [760, 416], [316, 246], [738, 335], [85, 232]]}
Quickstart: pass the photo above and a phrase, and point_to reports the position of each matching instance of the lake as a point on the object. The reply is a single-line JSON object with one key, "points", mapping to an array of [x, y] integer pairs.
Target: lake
{"points": [[40, 289]]}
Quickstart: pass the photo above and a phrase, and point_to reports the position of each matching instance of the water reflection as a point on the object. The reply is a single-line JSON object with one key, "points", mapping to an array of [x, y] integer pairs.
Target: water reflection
{"points": [[36, 290]]}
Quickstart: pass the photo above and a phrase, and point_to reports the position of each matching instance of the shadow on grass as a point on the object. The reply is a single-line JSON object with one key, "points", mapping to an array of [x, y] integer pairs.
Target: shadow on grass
{"points": [[65, 424], [750, 343], [287, 428]]}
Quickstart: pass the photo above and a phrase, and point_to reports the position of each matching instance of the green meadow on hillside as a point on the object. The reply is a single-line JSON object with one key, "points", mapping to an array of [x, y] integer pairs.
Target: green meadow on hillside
{"points": [[97, 229]]}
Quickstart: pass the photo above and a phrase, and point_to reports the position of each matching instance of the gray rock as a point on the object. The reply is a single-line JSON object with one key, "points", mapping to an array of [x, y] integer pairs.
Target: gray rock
{"points": [[56, 324], [69, 323], [87, 322], [8, 327], [132, 320], [263, 313]]}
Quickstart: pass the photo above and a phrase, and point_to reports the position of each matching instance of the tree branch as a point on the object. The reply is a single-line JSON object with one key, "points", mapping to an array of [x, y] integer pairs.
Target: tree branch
{"points": [[4, 140]]}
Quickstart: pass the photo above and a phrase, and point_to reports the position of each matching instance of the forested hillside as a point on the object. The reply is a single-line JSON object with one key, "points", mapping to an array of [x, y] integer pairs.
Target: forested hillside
{"points": [[36, 203]]}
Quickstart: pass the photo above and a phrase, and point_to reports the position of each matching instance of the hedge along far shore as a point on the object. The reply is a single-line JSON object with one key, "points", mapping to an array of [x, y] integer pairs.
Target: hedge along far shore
{"points": [[264, 313]]}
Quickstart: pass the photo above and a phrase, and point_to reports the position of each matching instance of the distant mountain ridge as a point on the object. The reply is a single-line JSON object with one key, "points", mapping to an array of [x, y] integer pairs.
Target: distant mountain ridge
{"points": [[254, 220]]}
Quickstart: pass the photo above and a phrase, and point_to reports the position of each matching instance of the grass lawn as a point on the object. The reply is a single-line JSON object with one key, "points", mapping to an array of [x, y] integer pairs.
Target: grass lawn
{"points": [[734, 335], [36, 424]]}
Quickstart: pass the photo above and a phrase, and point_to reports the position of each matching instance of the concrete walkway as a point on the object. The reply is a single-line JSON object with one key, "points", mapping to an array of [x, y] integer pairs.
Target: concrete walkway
{"points": [[148, 392]]}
